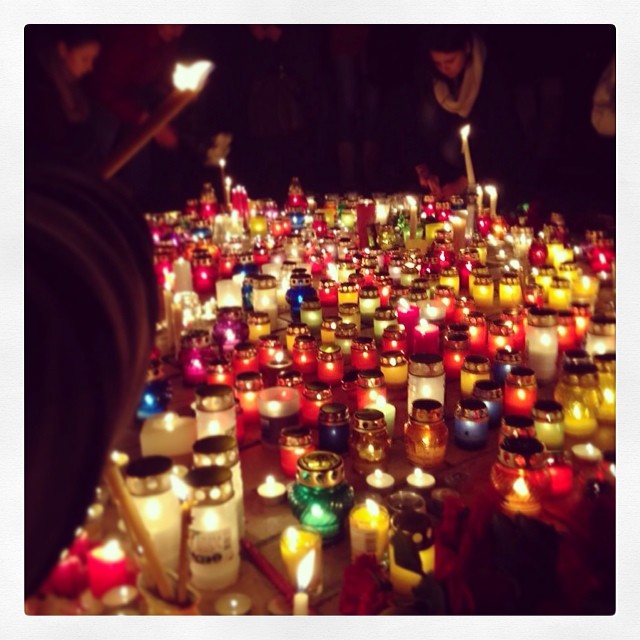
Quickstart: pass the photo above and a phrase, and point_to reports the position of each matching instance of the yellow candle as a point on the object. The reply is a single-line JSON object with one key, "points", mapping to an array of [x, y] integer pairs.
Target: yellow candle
{"points": [[569, 270], [579, 419], [395, 368], [543, 278], [482, 291], [552, 250], [258, 225], [560, 294], [369, 530], [585, 288], [469, 378], [510, 291], [295, 543], [561, 255], [328, 329], [402, 580], [451, 278]]}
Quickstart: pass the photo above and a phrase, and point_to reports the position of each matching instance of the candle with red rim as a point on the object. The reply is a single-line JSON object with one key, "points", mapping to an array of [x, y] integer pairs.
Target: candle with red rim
{"points": [[305, 353], [394, 338], [384, 289], [426, 337], [106, 568], [314, 395], [500, 336], [328, 293], [455, 349], [294, 443], [408, 316], [477, 332]]}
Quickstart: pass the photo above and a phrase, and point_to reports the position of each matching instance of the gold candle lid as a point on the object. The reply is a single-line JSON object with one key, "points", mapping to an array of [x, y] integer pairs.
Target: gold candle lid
{"points": [[385, 313], [482, 280], [329, 353], [211, 485], [382, 280], [149, 475], [196, 339], [458, 327], [442, 291], [601, 325], [263, 281], [249, 381], [368, 420], [487, 390], [580, 374], [566, 318], [319, 391], [321, 469], [295, 437], [560, 283], [605, 362], [218, 451], [214, 397], [245, 350], [269, 341], [582, 309], [310, 305], [346, 330], [576, 356], [509, 278], [370, 379], [333, 413], [331, 323], [507, 356], [469, 253], [356, 278], [476, 319], [471, 409], [399, 291], [392, 358], [521, 377], [416, 294], [305, 343], [546, 270], [456, 341], [542, 317], [258, 317], [218, 365], [394, 332], [449, 272], [501, 327], [348, 309], [426, 365], [325, 283], [522, 453], [480, 271], [289, 379], [369, 291], [362, 344], [569, 267], [426, 410], [298, 329], [547, 411], [347, 287], [476, 364]]}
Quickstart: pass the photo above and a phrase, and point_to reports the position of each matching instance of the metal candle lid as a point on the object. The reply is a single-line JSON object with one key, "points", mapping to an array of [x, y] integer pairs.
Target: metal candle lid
{"points": [[333, 413], [522, 453], [331, 323], [547, 411], [320, 469], [263, 281], [560, 283], [487, 390], [300, 279], [579, 374], [385, 313], [416, 294], [543, 317], [517, 426], [305, 343], [521, 377], [298, 329], [426, 410], [196, 339], [368, 420], [509, 278], [218, 451], [458, 327], [393, 358], [214, 397], [416, 526], [348, 309], [347, 287], [258, 317], [426, 365], [501, 327], [471, 409], [506, 356], [601, 325], [211, 485], [319, 391], [149, 476], [476, 319], [456, 341], [576, 356], [370, 379], [362, 344], [295, 437], [369, 292], [394, 332], [249, 381], [476, 364], [346, 330], [605, 362], [311, 305], [245, 350], [329, 353], [289, 379], [230, 313], [269, 341]]}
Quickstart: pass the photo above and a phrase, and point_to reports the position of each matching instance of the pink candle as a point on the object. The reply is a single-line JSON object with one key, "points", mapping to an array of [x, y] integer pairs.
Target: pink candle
{"points": [[426, 337], [107, 568], [408, 316]]}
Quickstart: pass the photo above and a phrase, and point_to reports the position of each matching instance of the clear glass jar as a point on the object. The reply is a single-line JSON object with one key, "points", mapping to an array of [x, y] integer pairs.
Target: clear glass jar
{"points": [[426, 378], [333, 427], [215, 409], [579, 394], [320, 497], [426, 434], [542, 343], [471, 424], [369, 442]]}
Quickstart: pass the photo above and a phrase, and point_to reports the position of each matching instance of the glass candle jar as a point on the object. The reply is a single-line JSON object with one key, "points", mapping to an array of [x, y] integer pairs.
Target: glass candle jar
{"points": [[369, 302], [500, 336], [214, 539], [384, 316], [463, 306], [222, 451], [394, 338], [311, 315], [333, 427], [264, 296], [259, 325], [478, 272], [219, 372], [477, 332], [350, 313], [601, 335], [543, 277], [520, 391], [471, 424], [490, 392], [300, 289], [245, 358], [292, 379], [426, 378], [328, 293], [520, 476], [408, 317], [330, 364], [383, 282], [560, 473], [328, 329], [228, 293], [582, 313], [504, 361], [449, 277], [408, 274], [426, 434], [510, 291], [195, 343], [305, 354], [370, 386], [542, 343], [294, 442], [294, 330], [364, 353], [533, 295], [268, 347], [395, 369], [567, 336], [580, 396], [148, 480], [296, 544], [585, 289], [606, 366], [513, 426], [345, 334], [321, 498], [455, 349], [314, 395], [248, 385], [215, 409], [230, 328], [279, 407], [569, 270], [369, 529], [347, 293], [560, 294], [516, 316], [369, 441], [548, 420], [474, 368]]}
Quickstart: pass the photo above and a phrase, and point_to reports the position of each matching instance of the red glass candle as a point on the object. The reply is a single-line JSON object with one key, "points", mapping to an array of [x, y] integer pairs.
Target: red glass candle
{"points": [[370, 385], [394, 338], [319, 224], [483, 224], [534, 295], [582, 312], [364, 354], [194, 371], [106, 568], [268, 346], [162, 266], [561, 474], [426, 337], [516, 316], [477, 332], [463, 306], [455, 349], [330, 364], [602, 256], [538, 253], [226, 267], [520, 391], [219, 371], [314, 395], [328, 293], [499, 336], [468, 260], [305, 354], [247, 386], [447, 296], [567, 335], [294, 443], [444, 253], [245, 358]]}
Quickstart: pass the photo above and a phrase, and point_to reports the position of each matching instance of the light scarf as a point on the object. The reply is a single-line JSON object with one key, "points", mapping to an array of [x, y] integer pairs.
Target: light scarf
{"points": [[471, 81]]}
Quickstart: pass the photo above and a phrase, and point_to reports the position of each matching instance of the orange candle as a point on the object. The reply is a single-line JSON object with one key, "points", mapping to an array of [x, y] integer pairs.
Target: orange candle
{"points": [[520, 391]]}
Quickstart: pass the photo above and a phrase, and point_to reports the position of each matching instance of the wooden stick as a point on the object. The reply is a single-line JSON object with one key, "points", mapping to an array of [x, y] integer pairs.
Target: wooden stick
{"points": [[276, 579], [183, 558], [134, 523]]}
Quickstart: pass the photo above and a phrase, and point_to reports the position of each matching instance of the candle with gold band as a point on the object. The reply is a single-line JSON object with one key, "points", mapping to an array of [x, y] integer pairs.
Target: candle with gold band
{"points": [[579, 394], [350, 312], [328, 328], [606, 365], [348, 293], [394, 338], [477, 332], [294, 330], [450, 278], [585, 289], [601, 335], [562, 255], [569, 270], [395, 368], [482, 290], [384, 316], [520, 391], [369, 302], [474, 368], [364, 353], [560, 294], [369, 529], [510, 290], [311, 315], [500, 336], [259, 324], [543, 277], [345, 334], [330, 364]]}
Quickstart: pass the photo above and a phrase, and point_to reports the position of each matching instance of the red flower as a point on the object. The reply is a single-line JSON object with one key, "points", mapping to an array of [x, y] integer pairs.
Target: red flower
{"points": [[365, 590]]}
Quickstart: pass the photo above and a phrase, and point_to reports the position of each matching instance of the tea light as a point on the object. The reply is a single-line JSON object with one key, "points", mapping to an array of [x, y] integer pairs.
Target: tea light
{"points": [[271, 491], [380, 481], [420, 481], [395, 368], [434, 311], [586, 453], [369, 529], [426, 337], [167, 434], [426, 378], [233, 604]]}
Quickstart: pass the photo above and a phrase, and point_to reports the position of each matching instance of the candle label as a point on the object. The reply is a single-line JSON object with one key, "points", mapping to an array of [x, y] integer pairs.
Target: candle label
{"points": [[364, 541], [207, 547]]}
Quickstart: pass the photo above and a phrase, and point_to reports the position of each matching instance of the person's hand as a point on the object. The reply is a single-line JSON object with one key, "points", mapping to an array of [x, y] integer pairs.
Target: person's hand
{"points": [[454, 188], [166, 138], [427, 180]]}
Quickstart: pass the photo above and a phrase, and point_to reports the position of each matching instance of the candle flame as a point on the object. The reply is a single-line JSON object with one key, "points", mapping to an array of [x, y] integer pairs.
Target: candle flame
{"points": [[417, 472], [305, 570], [424, 323], [112, 551], [589, 448], [609, 396], [491, 190], [270, 481], [464, 132], [411, 201], [291, 536], [192, 77], [520, 488], [378, 474], [403, 305], [120, 458], [180, 487], [612, 470], [372, 507], [279, 357]]}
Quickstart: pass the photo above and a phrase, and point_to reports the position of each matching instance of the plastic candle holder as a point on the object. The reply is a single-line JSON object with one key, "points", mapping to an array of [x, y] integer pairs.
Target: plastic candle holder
{"points": [[248, 385], [364, 353], [195, 344], [369, 301], [294, 442], [490, 392], [471, 424], [348, 293], [395, 369], [259, 325], [449, 278], [328, 293], [328, 329], [500, 336], [426, 434], [369, 441], [279, 407], [294, 330], [394, 338], [503, 362], [408, 274], [215, 410], [579, 394], [455, 349], [514, 426], [311, 315], [520, 391], [478, 272], [463, 306], [369, 529], [548, 420], [560, 472], [510, 291], [542, 343], [516, 316], [477, 332], [268, 346], [601, 335], [300, 289], [370, 385], [426, 337], [559, 294], [474, 368], [321, 498], [350, 314], [606, 366], [314, 395], [533, 295], [296, 542], [543, 277], [330, 364], [426, 378], [384, 317], [384, 289], [345, 334], [567, 336], [582, 312]]}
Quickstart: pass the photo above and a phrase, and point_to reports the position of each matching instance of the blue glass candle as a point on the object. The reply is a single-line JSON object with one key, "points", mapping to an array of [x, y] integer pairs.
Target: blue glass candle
{"points": [[471, 424], [299, 291], [490, 392], [155, 398], [333, 427], [504, 361], [247, 269], [297, 220]]}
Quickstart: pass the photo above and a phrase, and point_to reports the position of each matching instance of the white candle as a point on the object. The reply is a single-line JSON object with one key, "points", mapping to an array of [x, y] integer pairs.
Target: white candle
{"points": [[389, 412], [420, 481], [305, 573], [587, 452], [380, 480], [464, 133], [229, 293], [413, 216], [167, 434], [182, 272], [493, 199], [271, 491]]}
